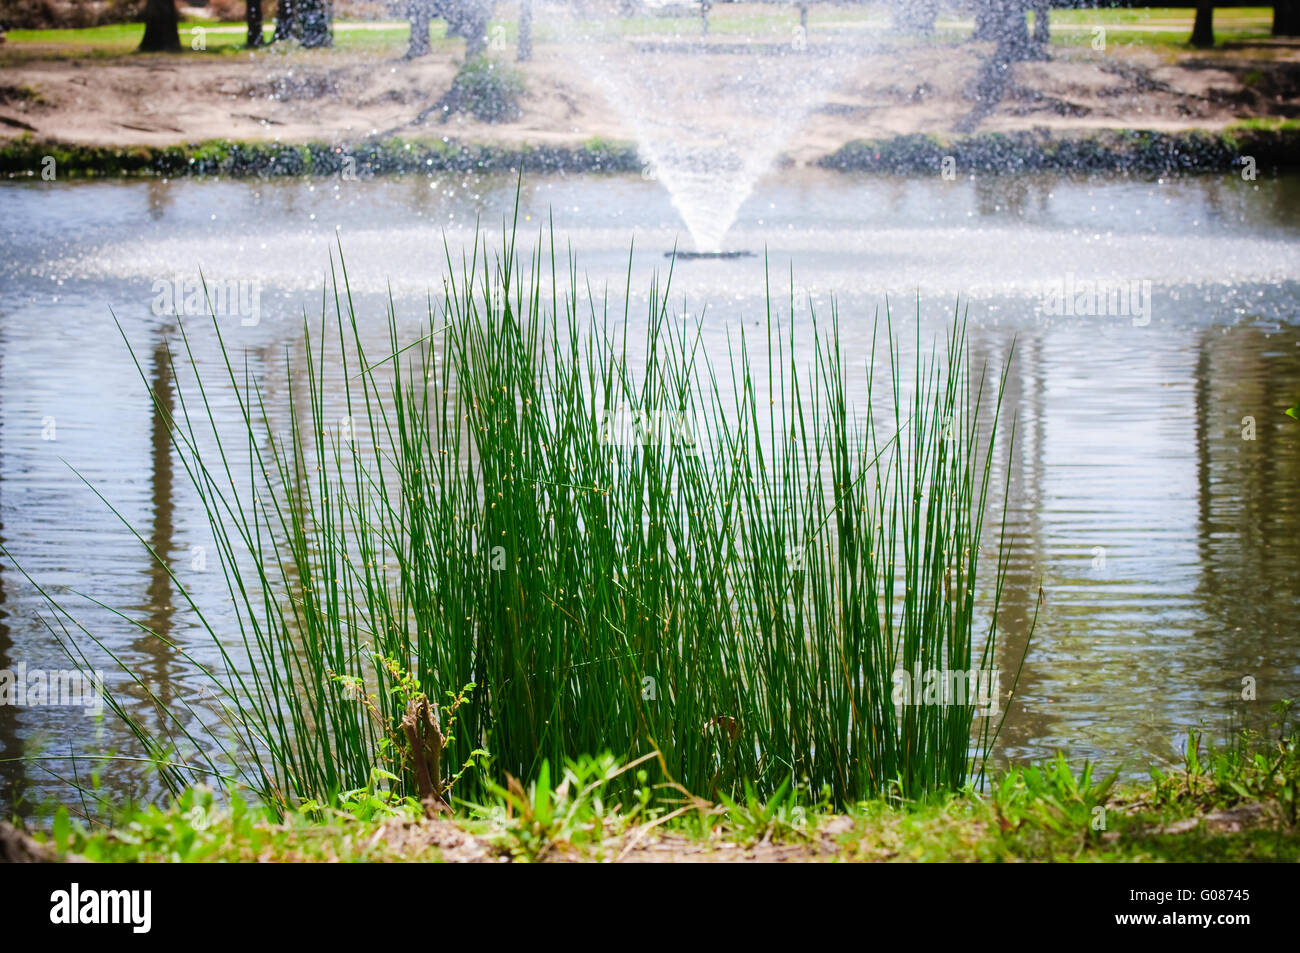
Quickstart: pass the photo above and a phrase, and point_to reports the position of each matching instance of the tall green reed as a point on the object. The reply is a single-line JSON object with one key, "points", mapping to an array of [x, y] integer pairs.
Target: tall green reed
{"points": [[597, 537]]}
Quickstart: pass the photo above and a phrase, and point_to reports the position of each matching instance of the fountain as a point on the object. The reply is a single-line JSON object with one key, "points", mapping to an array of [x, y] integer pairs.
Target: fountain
{"points": [[710, 108]]}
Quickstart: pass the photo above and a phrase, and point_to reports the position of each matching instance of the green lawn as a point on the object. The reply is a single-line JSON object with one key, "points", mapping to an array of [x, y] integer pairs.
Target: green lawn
{"points": [[1158, 26], [1154, 16], [218, 38], [1151, 26], [121, 38]]}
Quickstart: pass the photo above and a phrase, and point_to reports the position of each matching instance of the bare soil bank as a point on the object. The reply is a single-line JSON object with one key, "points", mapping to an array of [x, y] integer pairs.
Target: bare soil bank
{"points": [[329, 97]]}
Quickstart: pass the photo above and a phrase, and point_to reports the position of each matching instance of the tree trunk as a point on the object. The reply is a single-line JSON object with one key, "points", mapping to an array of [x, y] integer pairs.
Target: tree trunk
{"points": [[1003, 22], [524, 48], [286, 21], [316, 19], [1203, 30], [253, 17], [418, 13], [468, 19], [1286, 18], [1042, 22], [162, 32], [475, 45], [914, 16]]}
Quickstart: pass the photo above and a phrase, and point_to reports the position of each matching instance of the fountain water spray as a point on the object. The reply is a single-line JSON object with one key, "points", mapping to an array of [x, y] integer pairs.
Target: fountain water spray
{"points": [[710, 112]]}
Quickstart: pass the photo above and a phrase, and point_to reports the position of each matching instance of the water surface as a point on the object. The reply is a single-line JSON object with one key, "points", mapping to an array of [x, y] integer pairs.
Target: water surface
{"points": [[1167, 546]]}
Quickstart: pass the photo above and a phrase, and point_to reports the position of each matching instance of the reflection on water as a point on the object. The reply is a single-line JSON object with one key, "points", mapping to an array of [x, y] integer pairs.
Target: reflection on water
{"points": [[153, 642], [1168, 545], [1153, 489]]}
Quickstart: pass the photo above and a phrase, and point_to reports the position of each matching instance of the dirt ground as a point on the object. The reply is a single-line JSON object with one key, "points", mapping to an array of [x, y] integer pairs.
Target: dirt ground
{"points": [[335, 96], [836, 838], [455, 845]]}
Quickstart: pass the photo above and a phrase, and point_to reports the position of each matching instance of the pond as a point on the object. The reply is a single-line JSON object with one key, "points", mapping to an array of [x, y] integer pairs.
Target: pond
{"points": [[1154, 493]]}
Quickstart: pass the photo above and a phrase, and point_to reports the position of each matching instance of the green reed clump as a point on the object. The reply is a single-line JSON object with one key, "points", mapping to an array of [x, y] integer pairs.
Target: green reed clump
{"points": [[571, 533]]}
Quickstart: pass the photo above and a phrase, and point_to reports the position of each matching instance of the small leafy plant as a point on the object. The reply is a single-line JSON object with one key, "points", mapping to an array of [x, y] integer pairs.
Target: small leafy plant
{"points": [[542, 817], [485, 89]]}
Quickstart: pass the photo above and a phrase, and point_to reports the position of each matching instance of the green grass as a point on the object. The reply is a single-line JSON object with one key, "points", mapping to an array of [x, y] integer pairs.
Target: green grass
{"points": [[1229, 17], [568, 552], [121, 38], [1043, 812], [1266, 124], [1232, 24], [124, 38], [22, 155], [1167, 27]]}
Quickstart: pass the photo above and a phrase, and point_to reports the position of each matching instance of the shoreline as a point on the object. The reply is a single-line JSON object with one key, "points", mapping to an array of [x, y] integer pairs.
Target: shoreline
{"points": [[1220, 807], [1273, 147], [902, 106]]}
